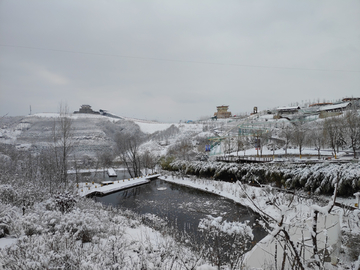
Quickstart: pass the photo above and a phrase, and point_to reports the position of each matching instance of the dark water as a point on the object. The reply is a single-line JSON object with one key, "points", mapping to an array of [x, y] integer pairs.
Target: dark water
{"points": [[181, 206]]}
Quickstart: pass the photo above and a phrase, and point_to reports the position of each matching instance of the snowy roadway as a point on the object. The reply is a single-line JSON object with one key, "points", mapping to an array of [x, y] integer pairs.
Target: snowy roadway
{"points": [[107, 187]]}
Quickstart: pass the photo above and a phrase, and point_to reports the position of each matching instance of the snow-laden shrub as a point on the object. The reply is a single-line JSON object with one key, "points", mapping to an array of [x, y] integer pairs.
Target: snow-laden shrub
{"points": [[206, 171], [8, 194], [50, 204], [31, 224], [49, 219], [57, 251], [110, 247], [8, 216], [319, 178], [226, 172], [65, 202], [79, 224]]}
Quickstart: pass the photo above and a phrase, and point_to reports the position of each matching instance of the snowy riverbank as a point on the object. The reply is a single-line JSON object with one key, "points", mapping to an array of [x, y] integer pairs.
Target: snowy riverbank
{"points": [[285, 209]]}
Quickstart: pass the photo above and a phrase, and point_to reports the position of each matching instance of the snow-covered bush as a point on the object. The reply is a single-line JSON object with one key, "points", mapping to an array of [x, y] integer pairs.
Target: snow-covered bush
{"points": [[8, 214], [8, 194], [165, 162], [92, 237], [317, 178], [65, 202]]}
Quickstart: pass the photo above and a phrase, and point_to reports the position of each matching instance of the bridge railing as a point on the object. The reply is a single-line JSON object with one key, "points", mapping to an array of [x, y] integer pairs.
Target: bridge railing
{"points": [[239, 159]]}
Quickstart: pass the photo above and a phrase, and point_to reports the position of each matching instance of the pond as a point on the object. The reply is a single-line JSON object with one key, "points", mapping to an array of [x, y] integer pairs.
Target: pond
{"points": [[182, 207]]}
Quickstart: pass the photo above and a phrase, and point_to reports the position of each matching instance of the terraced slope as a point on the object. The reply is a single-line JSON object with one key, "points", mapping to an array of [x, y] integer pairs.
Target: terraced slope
{"points": [[91, 133]]}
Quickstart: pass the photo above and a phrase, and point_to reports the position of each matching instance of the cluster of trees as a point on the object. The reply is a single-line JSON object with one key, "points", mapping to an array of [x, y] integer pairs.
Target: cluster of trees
{"points": [[165, 135], [49, 165], [46, 169], [340, 132], [127, 147], [335, 132]]}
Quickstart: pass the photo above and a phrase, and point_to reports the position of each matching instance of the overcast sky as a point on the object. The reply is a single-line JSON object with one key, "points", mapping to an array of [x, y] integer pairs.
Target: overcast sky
{"points": [[172, 60]]}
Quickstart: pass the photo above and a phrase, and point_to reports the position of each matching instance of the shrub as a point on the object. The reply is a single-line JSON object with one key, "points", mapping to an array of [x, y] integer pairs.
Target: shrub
{"points": [[165, 162], [65, 202], [8, 194]]}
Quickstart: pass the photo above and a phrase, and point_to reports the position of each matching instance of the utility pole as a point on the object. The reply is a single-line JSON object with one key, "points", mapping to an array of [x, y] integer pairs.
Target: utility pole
{"points": [[30, 109]]}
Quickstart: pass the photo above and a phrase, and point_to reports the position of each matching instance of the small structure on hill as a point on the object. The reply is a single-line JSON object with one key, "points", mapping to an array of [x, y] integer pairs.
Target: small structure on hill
{"points": [[350, 99], [222, 112], [354, 101], [255, 111], [288, 110], [109, 114], [333, 110], [86, 109]]}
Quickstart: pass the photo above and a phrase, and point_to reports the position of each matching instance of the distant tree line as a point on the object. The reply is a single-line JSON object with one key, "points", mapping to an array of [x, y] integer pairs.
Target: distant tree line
{"points": [[335, 133]]}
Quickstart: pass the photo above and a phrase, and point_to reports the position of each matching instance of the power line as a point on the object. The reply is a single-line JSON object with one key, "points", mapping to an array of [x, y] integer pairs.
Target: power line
{"points": [[174, 60]]}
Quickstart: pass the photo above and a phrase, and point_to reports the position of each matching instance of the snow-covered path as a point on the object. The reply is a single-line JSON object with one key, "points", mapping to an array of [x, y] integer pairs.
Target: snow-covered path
{"points": [[107, 187]]}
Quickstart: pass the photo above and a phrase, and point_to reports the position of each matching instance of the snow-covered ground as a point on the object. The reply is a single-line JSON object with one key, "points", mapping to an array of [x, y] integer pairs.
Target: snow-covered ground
{"points": [[7, 242], [150, 243], [94, 134]]}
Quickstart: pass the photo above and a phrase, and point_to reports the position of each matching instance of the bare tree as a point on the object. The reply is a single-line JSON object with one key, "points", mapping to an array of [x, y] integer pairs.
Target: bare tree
{"points": [[352, 129], [299, 136], [128, 149], [334, 133], [261, 137], [105, 159], [148, 161], [182, 149], [62, 134], [265, 138], [287, 133], [227, 145], [185, 147], [317, 137], [240, 144], [48, 168]]}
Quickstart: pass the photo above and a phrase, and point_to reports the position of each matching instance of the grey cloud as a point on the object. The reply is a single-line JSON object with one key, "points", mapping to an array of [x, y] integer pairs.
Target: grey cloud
{"points": [[92, 44]]}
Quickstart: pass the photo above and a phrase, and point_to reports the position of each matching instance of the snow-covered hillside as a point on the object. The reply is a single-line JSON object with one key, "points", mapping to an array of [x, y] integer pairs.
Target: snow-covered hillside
{"points": [[48, 223], [90, 134]]}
